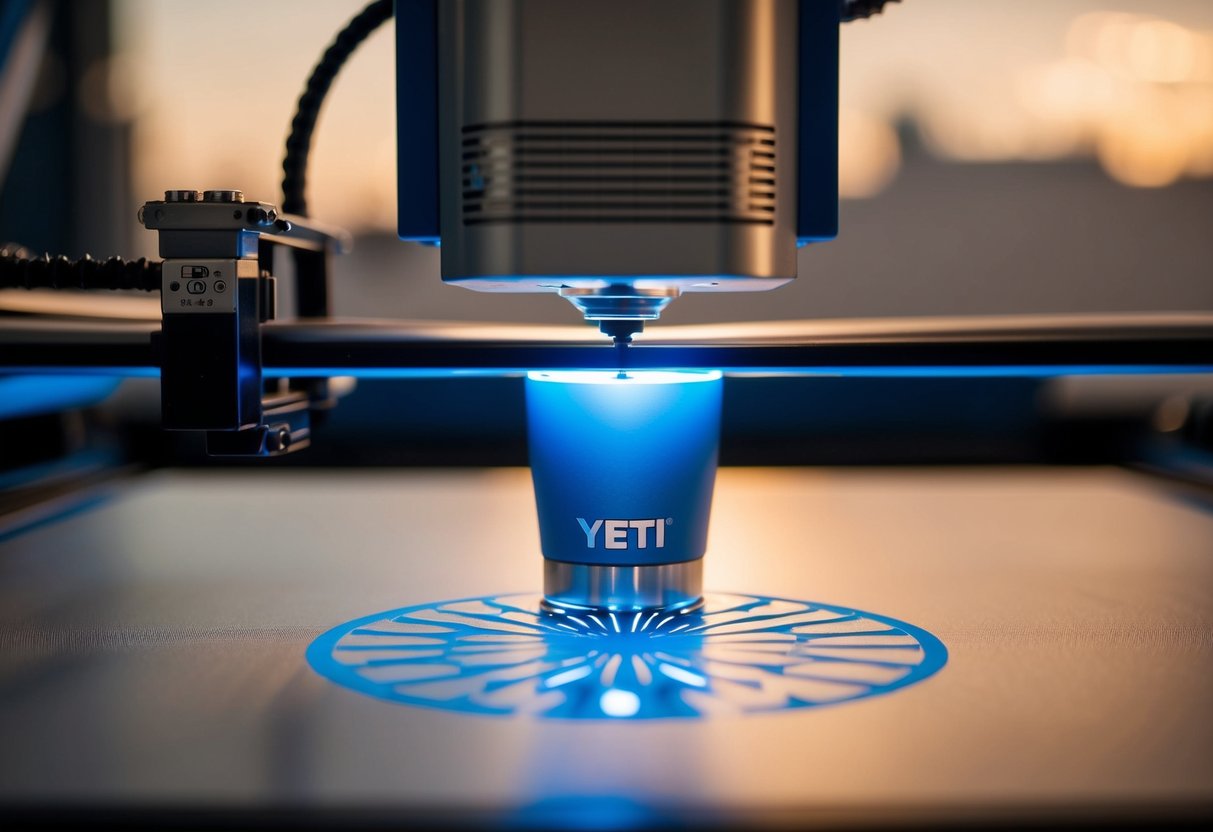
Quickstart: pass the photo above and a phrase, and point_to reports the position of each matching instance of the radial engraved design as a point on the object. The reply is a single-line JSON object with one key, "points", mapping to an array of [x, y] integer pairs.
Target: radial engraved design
{"points": [[738, 654]]}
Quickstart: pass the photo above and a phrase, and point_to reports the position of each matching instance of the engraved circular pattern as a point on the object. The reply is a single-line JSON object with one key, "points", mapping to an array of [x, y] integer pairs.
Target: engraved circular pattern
{"points": [[743, 654]]}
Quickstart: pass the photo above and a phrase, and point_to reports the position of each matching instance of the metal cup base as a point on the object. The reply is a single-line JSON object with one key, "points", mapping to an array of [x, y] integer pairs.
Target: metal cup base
{"points": [[667, 586]]}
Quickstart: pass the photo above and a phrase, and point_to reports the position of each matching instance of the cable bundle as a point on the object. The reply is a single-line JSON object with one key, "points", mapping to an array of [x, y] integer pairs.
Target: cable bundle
{"points": [[20, 271]]}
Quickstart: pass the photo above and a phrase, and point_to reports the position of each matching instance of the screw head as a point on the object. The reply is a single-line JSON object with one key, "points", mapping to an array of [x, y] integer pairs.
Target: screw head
{"points": [[278, 440]]}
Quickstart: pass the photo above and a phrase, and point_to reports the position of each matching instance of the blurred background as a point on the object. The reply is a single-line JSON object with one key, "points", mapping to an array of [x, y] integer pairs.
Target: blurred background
{"points": [[1025, 156], [996, 157]]}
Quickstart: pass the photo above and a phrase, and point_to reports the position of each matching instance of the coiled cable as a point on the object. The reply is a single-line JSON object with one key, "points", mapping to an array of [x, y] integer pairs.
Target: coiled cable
{"points": [[303, 125], [861, 9]]}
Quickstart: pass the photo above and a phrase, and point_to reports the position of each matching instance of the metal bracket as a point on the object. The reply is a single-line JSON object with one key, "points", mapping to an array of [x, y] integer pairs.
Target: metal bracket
{"points": [[217, 290]]}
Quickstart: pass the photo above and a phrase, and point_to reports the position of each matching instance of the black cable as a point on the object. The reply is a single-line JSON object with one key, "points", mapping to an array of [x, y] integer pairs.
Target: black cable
{"points": [[20, 271], [860, 9], [299, 143]]}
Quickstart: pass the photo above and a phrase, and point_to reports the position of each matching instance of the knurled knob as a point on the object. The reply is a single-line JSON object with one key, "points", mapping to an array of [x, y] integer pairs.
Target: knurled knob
{"points": [[223, 196]]}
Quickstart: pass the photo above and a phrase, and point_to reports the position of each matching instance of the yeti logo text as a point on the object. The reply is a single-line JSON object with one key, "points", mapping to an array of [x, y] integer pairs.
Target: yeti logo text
{"points": [[616, 534]]}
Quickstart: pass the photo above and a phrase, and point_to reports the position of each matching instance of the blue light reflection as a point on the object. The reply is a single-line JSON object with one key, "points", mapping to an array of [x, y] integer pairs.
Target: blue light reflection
{"points": [[33, 394], [925, 371], [922, 371], [502, 655]]}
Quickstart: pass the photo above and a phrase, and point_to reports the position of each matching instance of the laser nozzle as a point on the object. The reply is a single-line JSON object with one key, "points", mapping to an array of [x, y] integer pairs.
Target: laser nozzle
{"points": [[621, 330]]}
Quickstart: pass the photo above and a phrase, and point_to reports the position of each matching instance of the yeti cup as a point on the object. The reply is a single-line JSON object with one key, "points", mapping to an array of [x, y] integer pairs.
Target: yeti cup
{"points": [[623, 466]]}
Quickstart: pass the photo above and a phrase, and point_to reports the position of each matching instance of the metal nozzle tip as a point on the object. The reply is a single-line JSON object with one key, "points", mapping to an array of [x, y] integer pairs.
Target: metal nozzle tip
{"points": [[621, 329]]}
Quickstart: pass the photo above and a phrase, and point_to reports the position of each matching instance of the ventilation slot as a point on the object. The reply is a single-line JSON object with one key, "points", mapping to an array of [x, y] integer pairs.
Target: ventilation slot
{"points": [[618, 172]]}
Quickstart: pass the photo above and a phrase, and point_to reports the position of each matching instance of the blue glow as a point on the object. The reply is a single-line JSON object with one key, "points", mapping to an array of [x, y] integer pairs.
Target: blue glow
{"points": [[623, 466], [614, 377], [503, 656], [807, 371], [684, 676], [924, 371], [992, 371], [115, 371], [619, 703], [590, 812], [567, 676], [34, 394]]}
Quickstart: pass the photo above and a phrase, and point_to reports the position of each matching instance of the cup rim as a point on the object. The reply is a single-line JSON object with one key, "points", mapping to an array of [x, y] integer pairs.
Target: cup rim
{"points": [[623, 377]]}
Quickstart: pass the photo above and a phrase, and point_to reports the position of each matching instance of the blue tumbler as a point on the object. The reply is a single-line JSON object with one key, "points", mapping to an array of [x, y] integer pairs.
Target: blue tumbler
{"points": [[623, 466]]}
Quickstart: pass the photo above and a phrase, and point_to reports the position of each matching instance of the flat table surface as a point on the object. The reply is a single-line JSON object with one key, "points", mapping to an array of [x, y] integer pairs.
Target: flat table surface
{"points": [[153, 646]]}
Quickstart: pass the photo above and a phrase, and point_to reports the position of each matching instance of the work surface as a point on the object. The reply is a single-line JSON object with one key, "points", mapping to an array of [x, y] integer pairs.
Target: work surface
{"points": [[153, 649]]}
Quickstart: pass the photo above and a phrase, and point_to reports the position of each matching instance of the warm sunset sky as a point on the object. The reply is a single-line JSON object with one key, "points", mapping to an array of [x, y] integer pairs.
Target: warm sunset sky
{"points": [[212, 86]]}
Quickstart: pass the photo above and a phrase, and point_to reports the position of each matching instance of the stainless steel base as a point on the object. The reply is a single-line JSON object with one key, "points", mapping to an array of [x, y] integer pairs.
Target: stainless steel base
{"points": [[587, 586]]}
